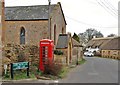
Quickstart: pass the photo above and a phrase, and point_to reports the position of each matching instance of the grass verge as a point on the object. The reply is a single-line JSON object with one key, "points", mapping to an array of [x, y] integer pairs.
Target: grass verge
{"points": [[18, 75], [81, 62], [63, 72]]}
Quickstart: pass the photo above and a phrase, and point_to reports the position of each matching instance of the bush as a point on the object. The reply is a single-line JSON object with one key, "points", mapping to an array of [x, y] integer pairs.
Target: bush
{"points": [[7, 75], [53, 68], [38, 72], [58, 52]]}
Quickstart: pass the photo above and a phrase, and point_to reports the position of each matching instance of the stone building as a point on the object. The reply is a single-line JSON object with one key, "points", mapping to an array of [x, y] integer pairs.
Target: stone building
{"points": [[29, 24], [65, 45], [112, 49], [77, 51], [71, 49], [108, 47], [0, 41], [98, 42], [24, 26]]}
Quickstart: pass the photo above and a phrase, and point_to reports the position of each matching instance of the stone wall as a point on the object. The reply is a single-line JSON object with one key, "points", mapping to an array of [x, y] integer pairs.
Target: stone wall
{"points": [[115, 54], [34, 31], [77, 54], [64, 56], [20, 53], [60, 59], [0, 38]]}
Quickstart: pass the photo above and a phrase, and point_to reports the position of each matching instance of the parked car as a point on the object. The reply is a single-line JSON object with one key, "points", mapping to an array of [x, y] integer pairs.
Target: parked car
{"points": [[88, 54], [92, 49]]}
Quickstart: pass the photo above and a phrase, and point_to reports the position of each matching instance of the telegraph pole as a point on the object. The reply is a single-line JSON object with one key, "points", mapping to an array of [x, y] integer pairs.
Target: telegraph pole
{"points": [[49, 19]]}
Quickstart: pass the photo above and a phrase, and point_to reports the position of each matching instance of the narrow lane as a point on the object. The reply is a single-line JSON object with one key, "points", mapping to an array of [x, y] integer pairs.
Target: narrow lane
{"points": [[95, 70]]}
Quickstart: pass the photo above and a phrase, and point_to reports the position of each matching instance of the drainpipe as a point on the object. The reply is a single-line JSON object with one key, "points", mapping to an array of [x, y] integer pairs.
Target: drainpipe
{"points": [[3, 21], [49, 20]]}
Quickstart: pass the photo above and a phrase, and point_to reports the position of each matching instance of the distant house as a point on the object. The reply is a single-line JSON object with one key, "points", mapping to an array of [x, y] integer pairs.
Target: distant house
{"points": [[109, 47], [98, 42], [72, 49], [29, 24], [77, 50], [65, 45], [112, 48]]}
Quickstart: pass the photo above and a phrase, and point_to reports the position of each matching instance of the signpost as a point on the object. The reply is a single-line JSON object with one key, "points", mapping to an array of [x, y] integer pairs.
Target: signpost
{"points": [[19, 65], [5, 68]]}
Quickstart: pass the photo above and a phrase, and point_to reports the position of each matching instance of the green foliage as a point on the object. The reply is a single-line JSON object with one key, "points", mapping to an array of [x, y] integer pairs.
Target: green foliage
{"points": [[81, 62], [58, 52], [7, 75], [92, 32], [63, 72], [39, 72], [75, 36], [19, 74], [89, 34]]}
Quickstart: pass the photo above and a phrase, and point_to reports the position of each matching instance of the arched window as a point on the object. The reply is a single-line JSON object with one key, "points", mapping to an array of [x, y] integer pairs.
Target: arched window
{"points": [[54, 34], [22, 36]]}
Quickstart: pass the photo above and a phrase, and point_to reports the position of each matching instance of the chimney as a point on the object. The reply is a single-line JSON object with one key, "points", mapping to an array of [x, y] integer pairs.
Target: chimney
{"points": [[69, 34], [59, 3], [3, 20]]}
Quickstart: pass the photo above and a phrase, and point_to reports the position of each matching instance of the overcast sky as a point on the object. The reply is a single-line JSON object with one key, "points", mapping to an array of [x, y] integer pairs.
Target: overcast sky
{"points": [[83, 14]]}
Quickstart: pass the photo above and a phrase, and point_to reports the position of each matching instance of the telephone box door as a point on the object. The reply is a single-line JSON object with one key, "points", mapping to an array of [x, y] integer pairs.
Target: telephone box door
{"points": [[46, 53]]}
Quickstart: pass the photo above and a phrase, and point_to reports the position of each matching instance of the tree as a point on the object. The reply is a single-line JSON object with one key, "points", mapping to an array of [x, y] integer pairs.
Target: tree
{"points": [[75, 36], [89, 34], [111, 35], [83, 38], [92, 32]]}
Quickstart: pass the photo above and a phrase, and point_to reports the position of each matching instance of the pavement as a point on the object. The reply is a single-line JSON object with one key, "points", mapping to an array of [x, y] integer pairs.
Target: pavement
{"points": [[94, 70]]}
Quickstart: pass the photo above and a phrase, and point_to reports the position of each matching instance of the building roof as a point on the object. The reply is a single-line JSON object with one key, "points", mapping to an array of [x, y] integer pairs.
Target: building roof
{"points": [[98, 42], [62, 41], [27, 12], [108, 43], [37, 12], [76, 43], [113, 44]]}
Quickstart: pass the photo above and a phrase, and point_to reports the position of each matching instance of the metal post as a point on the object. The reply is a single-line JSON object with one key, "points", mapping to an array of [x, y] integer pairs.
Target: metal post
{"points": [[49, 20], [12, 71], [28, 70], [77, 57]]}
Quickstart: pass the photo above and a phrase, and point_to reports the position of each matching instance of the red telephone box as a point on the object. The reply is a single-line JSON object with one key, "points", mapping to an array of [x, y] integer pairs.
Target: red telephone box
{"points": [[46, 52]]}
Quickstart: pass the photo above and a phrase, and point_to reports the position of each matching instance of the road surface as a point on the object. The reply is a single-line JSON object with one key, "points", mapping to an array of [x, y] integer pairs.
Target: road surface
{"points": [[95, 70]]}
